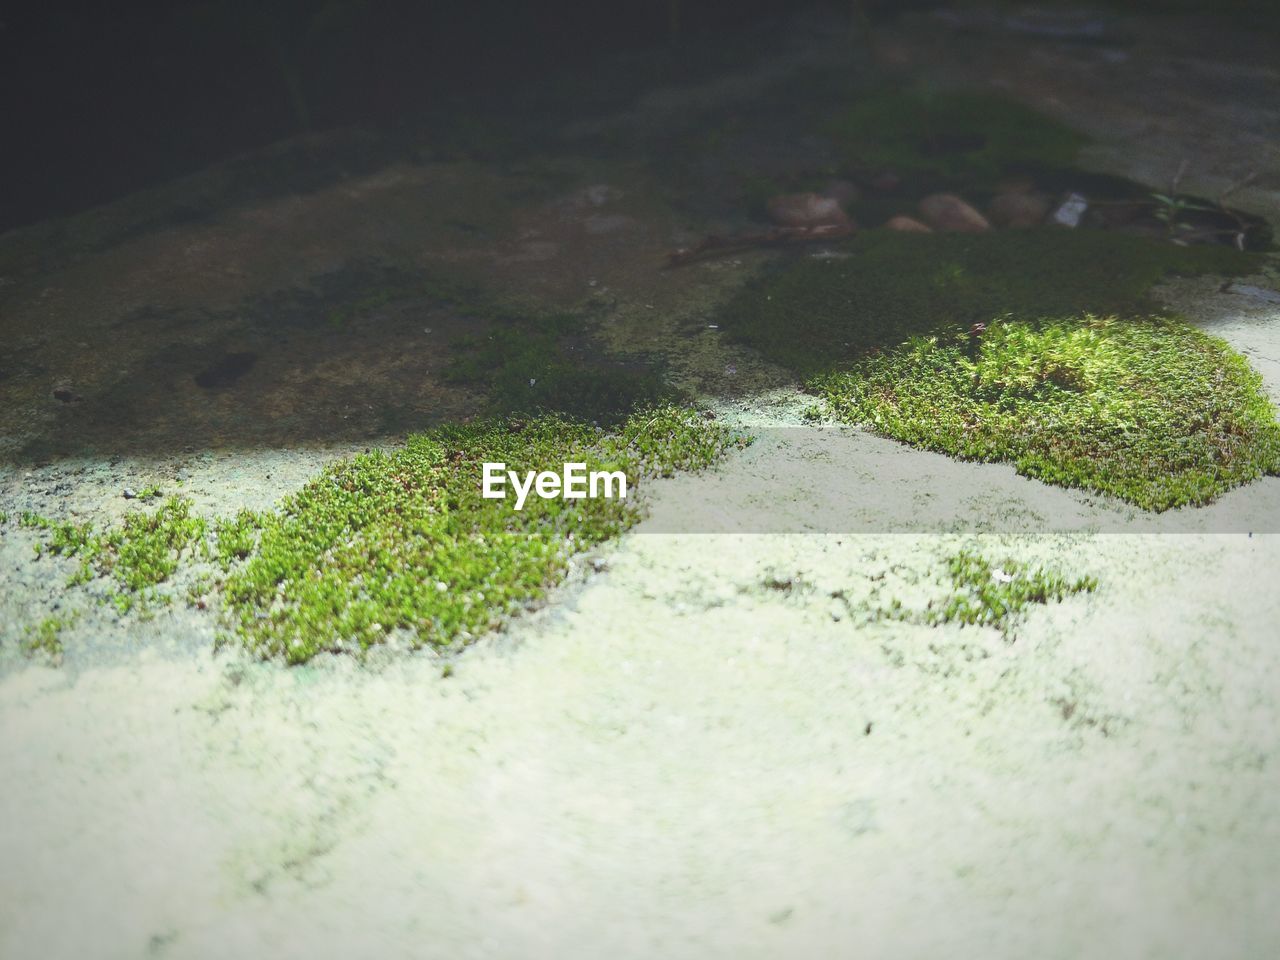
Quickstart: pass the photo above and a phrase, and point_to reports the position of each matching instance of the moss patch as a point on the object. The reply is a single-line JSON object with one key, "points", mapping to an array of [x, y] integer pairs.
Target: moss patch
{"points": [[550, 363], [404, 542], [948, 138], [1076, 380], [1147, 409], [990, 594], [813, 314], [137, 555], [44, 639]]}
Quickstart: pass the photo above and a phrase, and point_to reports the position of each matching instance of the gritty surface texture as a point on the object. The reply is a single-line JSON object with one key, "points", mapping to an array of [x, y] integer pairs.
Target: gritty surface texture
{"points": [[708, 745]]}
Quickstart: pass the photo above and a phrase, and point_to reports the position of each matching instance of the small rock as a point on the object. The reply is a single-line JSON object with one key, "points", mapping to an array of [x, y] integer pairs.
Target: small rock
{"points": [[951, 214], [806, 210], [907, 225], [1070, 210], [62, 391], [130, 493], [1018, 209]]}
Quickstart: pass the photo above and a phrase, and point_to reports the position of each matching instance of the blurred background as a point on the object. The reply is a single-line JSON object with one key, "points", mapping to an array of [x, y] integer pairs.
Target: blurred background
{"points": [[100, 99]]}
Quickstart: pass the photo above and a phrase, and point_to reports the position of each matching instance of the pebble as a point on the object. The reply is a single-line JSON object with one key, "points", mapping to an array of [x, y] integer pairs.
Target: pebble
{"points": [[907, 225], [1018, 209], [1070, 210], [952, 214], [806, 210]]}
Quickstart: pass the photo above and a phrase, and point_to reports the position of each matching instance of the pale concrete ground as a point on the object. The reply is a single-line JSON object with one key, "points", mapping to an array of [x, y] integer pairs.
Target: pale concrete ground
{"points": [[677, 759]]}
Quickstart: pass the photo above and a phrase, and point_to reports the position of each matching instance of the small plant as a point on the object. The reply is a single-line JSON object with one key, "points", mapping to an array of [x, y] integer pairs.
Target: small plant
{"points": [[45, 638], [139, 554], [1169, 209], [985, 594], [235, 538]]}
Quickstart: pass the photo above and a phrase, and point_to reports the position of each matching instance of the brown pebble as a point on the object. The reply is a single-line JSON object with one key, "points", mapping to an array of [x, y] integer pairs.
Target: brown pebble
{"points": [[806, 210], [952, 214], [907, 225], [1018, 209]]}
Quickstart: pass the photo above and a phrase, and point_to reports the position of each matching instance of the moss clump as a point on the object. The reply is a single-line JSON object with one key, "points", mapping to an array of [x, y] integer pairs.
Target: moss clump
{"points": [[949, 138], [44, 639], [234, 538], [139, 554], [985, 594], [404, 541], [550, 363], [1147, 409], [1074, 381]]}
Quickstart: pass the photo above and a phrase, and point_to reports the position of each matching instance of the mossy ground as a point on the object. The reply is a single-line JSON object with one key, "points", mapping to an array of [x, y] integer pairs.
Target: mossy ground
{"points": [[136, 556], [987, 593], [384, 545], [551, 363], [404, 541], [44, 639], [948, 138], [1150, 410], [1077, 379]]}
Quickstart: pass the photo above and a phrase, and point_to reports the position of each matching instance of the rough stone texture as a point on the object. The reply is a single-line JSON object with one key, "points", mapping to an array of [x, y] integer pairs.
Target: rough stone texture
{"points": [[952, 214], [806, 210], [1018, 209], [907, 225]]}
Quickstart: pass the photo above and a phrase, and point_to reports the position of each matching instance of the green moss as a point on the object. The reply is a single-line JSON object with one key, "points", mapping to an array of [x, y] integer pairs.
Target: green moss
{"points": [[1076, 382], [1147, 409], [144, 550], [44, 639], [550, 363], [983, 593], [949, 138], [235, 538], [404, 542], [137, 555]]}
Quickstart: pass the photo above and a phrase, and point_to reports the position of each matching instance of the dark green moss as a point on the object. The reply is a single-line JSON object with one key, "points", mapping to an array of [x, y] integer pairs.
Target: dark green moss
{"points": [[948, 138], [814, 314], [404, 541], [550, 363]]}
